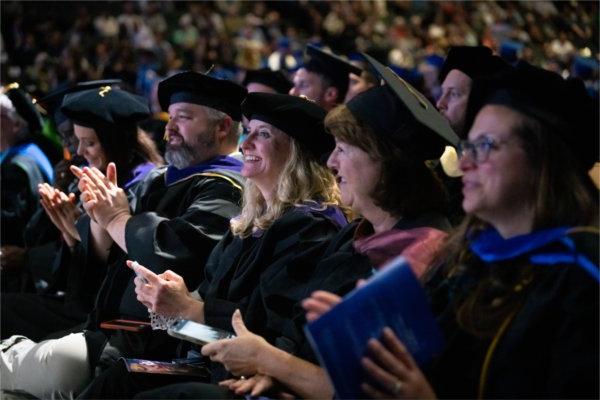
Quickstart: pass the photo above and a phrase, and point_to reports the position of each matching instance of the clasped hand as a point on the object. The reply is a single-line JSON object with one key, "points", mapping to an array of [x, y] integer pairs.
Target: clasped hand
{"points": [[103, 200]]}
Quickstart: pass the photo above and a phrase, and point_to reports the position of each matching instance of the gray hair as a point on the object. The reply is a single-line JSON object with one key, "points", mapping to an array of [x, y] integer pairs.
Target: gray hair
{"points": [[13, 114], [215, 116]]}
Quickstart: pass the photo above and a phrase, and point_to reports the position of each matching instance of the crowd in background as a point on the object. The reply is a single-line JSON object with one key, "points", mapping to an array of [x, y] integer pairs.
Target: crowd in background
{"points": [[143, 42]]}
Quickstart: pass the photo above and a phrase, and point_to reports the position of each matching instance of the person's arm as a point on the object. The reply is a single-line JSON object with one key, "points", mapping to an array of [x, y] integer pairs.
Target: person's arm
{"points": [[182, 231], [300, 376], [100, 241]]}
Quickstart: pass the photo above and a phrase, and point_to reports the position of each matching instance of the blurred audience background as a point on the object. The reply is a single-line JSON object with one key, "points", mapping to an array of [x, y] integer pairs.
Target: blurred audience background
{"points": [[47, 46]]}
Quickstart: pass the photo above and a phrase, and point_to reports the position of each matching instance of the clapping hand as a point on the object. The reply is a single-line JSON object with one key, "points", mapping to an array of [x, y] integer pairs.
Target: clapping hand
{"points": [[62, 211], [103, 200]]}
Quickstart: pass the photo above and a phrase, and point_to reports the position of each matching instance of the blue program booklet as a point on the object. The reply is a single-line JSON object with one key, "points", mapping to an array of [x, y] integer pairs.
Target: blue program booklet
{"points": [[394, 298]]}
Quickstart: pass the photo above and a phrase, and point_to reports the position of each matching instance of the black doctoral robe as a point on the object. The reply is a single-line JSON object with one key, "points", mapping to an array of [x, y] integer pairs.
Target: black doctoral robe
{"points": [[266, 277], [550, 348], [174, 226], [74, 279]]}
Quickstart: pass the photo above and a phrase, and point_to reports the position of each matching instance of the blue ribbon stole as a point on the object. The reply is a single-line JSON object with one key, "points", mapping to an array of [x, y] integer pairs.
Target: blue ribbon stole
{"points": [[491, 247]]}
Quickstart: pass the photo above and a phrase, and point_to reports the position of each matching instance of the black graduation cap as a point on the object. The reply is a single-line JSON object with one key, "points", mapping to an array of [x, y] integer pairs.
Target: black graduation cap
{"points": [[546, 96], [298, 117], [194, 87], [266, 76], [473, 61], [332, 66], [24, 106], [52, 102], [388, 109], [104, 106]]}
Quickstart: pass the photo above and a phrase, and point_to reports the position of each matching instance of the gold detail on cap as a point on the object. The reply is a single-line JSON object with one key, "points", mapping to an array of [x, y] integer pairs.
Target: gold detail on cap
{"points": [[8, 87], [104, 90]]}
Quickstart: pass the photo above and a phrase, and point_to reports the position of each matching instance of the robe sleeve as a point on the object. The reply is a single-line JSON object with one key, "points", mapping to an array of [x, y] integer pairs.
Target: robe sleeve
{"points": [[161, 243]]}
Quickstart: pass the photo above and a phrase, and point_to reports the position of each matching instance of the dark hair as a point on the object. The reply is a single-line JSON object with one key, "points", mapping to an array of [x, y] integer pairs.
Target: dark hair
{"points": [[407, 186], [564, 195], [127, 147], [327, 82]]}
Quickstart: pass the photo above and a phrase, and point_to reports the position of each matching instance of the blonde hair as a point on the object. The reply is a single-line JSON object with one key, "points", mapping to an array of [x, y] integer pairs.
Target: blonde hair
{"points": [[301, 180]]}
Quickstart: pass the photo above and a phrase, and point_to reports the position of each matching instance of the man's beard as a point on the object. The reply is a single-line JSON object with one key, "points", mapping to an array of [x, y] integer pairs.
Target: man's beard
{"points": [[181, 156], [185, 155]]}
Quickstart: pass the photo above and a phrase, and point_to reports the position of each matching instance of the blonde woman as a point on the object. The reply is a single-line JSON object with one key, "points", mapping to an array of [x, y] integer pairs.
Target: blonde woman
{"points": [[264, 266]]}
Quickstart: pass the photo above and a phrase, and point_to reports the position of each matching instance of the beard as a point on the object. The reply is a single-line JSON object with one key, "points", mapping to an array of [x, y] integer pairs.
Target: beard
{"points": [[185, 154], [180, 156]]}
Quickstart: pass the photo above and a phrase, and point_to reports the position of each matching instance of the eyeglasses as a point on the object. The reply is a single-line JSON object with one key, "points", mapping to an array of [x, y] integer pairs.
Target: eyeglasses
{"points": [[478, 150]]}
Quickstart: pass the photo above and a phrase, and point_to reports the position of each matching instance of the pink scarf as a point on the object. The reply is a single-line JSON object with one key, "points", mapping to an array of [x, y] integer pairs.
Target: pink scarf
{"points": [[417, 245]]}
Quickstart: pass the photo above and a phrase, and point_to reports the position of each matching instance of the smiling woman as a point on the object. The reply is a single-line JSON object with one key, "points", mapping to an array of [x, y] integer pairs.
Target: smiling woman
{"points": [[266, 150]]}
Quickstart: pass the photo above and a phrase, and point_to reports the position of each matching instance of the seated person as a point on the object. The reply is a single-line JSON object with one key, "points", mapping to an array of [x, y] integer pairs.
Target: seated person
{"points": [[383, 177], [179, 214], [105, 128], [23, 166], [517, 296], [266, 265]]}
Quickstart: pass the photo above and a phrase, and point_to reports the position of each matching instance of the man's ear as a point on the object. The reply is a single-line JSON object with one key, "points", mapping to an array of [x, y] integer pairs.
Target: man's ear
{"points": [[223, 128], [331, 95]]}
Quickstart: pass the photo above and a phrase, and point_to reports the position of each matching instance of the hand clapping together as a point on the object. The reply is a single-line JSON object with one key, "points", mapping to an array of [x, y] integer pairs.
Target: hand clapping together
{"points": [[62, 210], [103, 200]]}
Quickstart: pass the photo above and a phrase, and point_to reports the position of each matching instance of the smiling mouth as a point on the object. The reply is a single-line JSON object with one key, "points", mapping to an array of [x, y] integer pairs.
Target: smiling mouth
{"points": [[250, 158]]}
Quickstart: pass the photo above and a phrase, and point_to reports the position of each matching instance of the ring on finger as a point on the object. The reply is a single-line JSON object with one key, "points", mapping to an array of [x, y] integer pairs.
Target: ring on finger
{"points": [[397, 388]]}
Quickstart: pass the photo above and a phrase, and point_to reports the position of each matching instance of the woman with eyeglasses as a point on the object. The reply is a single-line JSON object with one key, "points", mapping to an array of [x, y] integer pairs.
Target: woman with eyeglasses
{"points": [[517, 295]]}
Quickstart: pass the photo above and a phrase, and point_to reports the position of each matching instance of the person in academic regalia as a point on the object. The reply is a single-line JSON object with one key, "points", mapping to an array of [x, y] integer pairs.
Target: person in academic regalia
{"points": [[23, 164], [178, 215], [382, 142], [324, 78], [359, 82], [105, 127], [517, 294], [266, 80], [267, 264], [37, 260], [462, 65]]}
